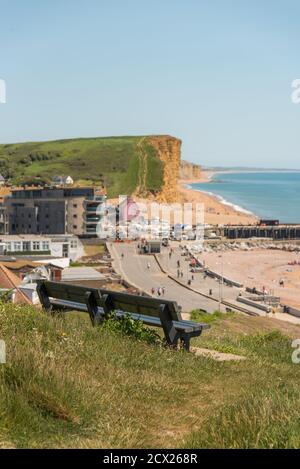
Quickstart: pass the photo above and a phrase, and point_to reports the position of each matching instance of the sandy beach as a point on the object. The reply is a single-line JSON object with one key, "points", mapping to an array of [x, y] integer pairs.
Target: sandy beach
{"points": [[215, 212], [261, 268]]}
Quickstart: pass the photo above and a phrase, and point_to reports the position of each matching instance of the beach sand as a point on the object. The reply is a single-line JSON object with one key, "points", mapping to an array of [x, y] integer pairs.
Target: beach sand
{"points": [[261, 267], [215, 212]]}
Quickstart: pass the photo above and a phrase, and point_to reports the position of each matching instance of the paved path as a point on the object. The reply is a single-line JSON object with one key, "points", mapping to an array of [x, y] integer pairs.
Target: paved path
{"points": [[202, 284], [133, 268], [215, 355]]}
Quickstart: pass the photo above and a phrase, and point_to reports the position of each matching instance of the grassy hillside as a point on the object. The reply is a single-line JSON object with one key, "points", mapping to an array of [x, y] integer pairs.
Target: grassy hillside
{"points": [[67, 384], [113, 161]]}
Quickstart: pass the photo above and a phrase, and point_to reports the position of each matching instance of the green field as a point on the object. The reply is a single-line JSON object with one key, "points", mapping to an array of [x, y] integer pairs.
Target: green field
{"points": [[112, 161], [66, 384]]}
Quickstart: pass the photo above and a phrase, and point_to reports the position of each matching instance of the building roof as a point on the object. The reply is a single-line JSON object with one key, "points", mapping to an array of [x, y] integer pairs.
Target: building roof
{"points": [[4, 192], [21, 298], [81, 273], [35, 237], [9, 281], [20, 264], [61, 178]]}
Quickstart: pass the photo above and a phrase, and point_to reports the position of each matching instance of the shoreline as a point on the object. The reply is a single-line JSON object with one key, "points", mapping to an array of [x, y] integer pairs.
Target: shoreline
{"points": [[218, 211]]}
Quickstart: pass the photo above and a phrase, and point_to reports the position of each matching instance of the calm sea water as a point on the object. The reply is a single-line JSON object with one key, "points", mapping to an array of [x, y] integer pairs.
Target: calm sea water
{"points": [[267, 195]]}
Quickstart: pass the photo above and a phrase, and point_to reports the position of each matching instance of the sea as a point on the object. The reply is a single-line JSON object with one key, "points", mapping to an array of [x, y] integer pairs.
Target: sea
{"points": [[269, 195]]}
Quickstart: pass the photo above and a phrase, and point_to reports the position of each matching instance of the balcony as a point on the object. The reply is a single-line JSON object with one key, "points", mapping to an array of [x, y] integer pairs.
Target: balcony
{"points": [[90, 230], [91, 220], [91, 208], [96, 198]]}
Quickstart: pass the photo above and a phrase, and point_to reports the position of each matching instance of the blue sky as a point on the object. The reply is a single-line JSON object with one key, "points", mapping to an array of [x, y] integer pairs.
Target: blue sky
{"points": [[215, 73]]}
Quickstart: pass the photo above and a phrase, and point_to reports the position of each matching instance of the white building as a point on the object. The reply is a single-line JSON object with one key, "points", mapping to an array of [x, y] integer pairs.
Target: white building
{"points": [[68, 246], [62, 181]]}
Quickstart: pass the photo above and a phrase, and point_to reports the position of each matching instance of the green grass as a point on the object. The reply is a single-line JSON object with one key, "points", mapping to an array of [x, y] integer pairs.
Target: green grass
{"points": [[261, 419], [66, 384], [200, 316], [112, 161]]}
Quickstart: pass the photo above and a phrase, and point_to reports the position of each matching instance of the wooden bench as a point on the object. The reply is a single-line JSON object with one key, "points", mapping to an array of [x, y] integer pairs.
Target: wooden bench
{"points": [[99, 303]]}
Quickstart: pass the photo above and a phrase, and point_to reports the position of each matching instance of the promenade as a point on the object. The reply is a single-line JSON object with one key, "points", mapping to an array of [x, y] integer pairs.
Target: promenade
{"points": [[133, 269]]}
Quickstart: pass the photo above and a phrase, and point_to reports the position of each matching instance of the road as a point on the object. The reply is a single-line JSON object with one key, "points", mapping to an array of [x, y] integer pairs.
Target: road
{"points": [[133, 268]]}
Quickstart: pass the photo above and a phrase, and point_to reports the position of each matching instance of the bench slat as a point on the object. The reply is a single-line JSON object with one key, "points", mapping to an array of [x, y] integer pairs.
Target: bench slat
{"points": [[150, 320]]}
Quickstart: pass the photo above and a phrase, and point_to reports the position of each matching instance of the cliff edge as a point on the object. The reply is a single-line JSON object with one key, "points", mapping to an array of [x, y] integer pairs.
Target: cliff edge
{"points": [[168, 150], [189, 170]]}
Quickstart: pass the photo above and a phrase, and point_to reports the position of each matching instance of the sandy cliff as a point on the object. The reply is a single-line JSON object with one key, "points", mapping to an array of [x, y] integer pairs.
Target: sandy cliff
{"points": [[169, 152], [189, 171]]}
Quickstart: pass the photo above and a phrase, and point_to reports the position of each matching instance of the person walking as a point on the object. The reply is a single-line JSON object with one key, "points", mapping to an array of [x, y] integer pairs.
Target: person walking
{"points": [[148, 265], [163, 291], [152, 290], [178, 273]]}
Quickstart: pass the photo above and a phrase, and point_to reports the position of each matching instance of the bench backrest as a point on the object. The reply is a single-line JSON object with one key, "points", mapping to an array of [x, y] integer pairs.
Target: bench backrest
{"points": [[65, 291], [142, 304], [117, 300]]}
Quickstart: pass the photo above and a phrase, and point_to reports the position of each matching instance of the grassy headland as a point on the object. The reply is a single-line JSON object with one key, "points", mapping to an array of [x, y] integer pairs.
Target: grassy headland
{"points": [[66, 384], [111, 161]]}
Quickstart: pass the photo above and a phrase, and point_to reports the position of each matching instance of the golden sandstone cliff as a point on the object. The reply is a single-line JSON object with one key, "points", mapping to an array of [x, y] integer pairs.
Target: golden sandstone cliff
{"points": [[189, 171], [169, 152]]}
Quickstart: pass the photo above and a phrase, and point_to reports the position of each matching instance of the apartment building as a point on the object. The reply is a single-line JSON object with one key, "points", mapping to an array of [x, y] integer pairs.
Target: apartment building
{"points": [[71, 210], [4, 192]]}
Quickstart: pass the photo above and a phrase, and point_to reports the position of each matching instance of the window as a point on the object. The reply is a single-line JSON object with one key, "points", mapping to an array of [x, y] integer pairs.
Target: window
{"points": [[74, 216], [8, 246], [75, 227], [26, 246], [73, 243], [36, 246], [74, 205], [17, 246], [46, 246]]}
